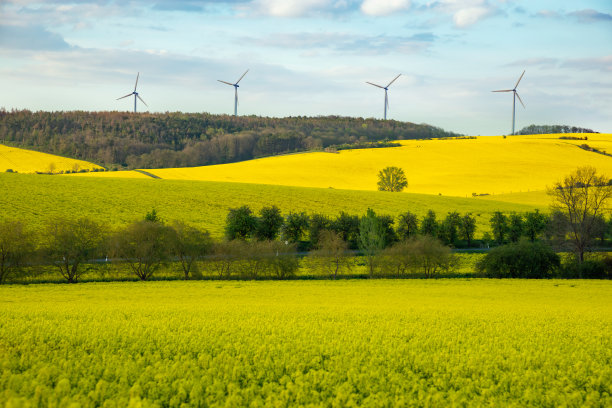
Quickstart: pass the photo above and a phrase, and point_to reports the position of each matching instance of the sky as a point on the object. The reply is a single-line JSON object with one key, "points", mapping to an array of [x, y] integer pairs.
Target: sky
{"points": [[313, 58]]}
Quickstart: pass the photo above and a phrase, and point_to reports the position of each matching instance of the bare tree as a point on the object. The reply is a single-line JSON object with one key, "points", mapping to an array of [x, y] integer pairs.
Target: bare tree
{"points": [[581, 197], [331, 253]]}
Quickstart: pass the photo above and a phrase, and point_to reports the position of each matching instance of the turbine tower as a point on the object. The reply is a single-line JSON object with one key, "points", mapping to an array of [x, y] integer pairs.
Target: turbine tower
{"points": [[136, 96], [236, 86], [515, 95], [386, 88]]}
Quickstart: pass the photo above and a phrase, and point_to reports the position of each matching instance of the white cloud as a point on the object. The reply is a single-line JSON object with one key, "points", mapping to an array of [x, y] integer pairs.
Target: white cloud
{"points": [[465, 12], [291, 8], [383, 7], [471, 15]]}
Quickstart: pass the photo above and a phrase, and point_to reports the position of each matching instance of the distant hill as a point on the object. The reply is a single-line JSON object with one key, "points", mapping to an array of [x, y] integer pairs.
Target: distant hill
{"points": [[14, 160], [487, 165], [145, 140], [549, 129]]}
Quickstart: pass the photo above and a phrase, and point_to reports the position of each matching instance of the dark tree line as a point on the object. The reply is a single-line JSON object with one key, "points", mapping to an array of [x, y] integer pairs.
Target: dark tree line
{"points": [[119, 140], [548, 129]]}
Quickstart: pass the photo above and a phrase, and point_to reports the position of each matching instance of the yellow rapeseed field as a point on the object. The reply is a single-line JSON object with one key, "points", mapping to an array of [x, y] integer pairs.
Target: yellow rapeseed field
{"points": [[29, 161], [458, 167], [359, 343]]}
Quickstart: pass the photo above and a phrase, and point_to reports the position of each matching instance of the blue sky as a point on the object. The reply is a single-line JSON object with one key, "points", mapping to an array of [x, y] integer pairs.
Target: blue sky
{"points": [[312, 57]]}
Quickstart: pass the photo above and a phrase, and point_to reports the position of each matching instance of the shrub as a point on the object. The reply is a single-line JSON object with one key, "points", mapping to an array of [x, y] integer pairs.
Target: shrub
{"points": [[423, 255], [519, 260], [588, 269]]}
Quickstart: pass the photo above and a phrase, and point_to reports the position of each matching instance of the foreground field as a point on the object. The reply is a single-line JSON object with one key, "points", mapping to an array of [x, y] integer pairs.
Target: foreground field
{"points": [[29, 161], [348, 343], [38, 198], [457, 167]]}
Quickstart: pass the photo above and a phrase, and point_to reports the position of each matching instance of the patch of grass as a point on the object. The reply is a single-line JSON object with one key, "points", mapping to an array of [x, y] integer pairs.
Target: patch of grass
{"points": [[116, 202]]}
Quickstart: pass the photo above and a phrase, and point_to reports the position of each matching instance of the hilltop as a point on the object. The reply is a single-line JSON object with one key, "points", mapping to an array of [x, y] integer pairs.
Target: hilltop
{"points": [[122, 140]]}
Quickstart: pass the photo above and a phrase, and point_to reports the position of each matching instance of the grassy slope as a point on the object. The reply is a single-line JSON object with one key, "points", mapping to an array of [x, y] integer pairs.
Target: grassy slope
{"points": [[492, 165], [29, 161], [117, 201]]}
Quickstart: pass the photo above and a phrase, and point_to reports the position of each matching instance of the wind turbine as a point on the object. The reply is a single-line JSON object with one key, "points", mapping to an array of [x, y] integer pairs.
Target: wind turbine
{"points": [[386, 88], [236, 86], [136, 96], [515, 95]]}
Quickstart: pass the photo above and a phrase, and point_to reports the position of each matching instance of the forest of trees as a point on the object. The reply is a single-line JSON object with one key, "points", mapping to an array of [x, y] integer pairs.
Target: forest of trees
{"points": [[547, 129], [122, 140]]}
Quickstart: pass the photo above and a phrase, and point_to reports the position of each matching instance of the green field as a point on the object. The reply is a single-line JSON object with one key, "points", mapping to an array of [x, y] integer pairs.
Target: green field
{"points": [[344, 343], [116, 201]]}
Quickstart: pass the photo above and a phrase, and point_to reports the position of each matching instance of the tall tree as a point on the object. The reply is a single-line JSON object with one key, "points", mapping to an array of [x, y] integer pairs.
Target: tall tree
{"points": [[407, 225], [581, 196], [294, 227], [318, 223], [269, 223], [448, 228], [467, 228], [535, 224], [515, 227], [392, 179], [429, 225], [371, 238], [240, 223], [499, 226]]}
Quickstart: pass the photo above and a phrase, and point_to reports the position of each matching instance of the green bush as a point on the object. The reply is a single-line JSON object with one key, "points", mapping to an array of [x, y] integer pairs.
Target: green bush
{"points": [[520, 260], [589, 269]]}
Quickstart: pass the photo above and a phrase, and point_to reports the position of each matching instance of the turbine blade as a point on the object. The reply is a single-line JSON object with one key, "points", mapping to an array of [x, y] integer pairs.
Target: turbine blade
{"points": [[130, 94], [136, 84], [505, 90], [242, 76], [141, 100], [517, 82], [225, 82], [519, 98], [381, 87], [393, 80]]}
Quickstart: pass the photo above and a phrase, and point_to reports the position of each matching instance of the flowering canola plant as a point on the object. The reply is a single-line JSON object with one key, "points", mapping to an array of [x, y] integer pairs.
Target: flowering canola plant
{"points": [[301, 343]]}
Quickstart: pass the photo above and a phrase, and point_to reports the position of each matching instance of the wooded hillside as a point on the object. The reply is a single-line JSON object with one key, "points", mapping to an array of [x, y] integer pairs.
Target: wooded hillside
{"points": [[156, 140]]}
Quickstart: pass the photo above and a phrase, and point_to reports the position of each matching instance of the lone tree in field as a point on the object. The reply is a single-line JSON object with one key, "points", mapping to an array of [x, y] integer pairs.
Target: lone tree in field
{"points": [[392, 179], [581, 196]]}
